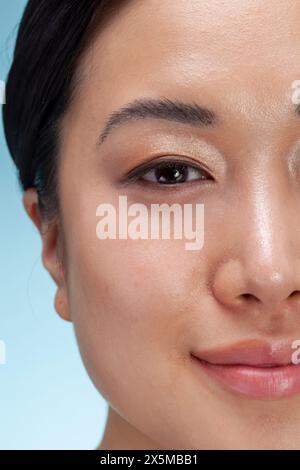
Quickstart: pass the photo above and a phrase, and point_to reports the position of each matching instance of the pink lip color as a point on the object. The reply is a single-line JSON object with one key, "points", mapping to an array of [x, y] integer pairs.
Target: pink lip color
{"points": [[254, 368]]}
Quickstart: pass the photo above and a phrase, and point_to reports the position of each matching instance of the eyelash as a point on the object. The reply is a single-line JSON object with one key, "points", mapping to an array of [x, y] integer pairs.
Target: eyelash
{"points": [[137, 175]]}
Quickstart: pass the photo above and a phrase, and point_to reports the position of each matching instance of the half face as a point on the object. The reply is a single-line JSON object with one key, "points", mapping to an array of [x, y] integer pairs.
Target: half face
{"points": [[143, 308]]}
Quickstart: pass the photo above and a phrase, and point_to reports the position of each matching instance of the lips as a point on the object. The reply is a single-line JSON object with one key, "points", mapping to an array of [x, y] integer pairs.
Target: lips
{"points": [[254, 368]]}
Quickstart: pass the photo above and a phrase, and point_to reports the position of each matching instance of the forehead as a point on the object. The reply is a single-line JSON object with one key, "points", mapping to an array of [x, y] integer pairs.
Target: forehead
{"points": [[237, 53]]}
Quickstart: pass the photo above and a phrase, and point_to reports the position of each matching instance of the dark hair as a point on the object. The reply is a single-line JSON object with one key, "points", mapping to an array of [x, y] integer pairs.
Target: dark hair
{"points": [[41, 81]]}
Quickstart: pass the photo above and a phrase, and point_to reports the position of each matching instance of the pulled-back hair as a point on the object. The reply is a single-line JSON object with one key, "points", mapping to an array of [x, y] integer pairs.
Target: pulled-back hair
{"points": [[40, 85]]}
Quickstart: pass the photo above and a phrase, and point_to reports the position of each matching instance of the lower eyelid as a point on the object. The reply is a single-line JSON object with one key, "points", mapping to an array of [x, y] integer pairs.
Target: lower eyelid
{"points": [[171, 190]]}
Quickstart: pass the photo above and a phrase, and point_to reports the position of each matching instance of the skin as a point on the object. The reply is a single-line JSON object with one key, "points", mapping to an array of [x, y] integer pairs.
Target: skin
{"points": [[139, 307]]}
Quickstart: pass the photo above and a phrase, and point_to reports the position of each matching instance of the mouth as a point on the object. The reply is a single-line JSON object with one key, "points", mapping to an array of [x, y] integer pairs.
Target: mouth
{"points": [[254, 368]]}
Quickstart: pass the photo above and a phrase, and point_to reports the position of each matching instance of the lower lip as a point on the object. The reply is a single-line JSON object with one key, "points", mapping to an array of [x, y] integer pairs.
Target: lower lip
{"points": [[256, 382]]}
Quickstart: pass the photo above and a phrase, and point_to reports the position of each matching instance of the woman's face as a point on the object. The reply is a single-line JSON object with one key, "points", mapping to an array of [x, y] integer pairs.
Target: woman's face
{"points": [[142, 307]]}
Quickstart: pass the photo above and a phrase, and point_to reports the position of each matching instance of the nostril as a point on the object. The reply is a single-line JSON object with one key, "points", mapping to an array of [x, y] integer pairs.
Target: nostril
{"points": [[252, 297], [248, 296]]}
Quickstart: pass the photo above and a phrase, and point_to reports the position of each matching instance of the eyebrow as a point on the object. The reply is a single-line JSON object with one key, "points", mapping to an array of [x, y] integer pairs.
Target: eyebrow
{"points": [[163, 108]]}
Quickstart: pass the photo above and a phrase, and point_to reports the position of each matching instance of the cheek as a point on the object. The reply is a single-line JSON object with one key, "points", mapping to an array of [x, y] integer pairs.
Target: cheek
{"points": [[128, 302], [135, 309]]}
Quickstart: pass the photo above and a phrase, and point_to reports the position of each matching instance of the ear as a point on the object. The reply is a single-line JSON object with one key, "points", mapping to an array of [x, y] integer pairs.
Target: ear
{"points": [[51, 251]]}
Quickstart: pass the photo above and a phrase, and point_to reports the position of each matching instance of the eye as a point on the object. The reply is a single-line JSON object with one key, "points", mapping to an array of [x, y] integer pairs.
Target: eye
{"points": [[173, 173]]}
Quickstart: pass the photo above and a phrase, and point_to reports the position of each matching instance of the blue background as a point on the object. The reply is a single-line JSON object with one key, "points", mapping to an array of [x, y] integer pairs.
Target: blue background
{"points": [[47, 400]]}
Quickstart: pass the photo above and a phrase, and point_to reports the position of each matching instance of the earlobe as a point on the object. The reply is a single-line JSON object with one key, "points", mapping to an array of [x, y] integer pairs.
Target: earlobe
{"points": [[61, 305]]}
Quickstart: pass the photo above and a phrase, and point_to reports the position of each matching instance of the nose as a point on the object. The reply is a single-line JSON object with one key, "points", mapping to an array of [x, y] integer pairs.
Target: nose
{"points": [[262, 270]]}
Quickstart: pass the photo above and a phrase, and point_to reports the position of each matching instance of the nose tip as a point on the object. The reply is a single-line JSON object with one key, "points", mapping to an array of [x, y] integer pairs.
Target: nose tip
{"points": [[270, 290], [235, 286]]}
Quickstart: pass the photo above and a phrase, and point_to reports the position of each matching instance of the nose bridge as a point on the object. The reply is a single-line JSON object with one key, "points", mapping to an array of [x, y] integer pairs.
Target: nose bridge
{"points": [[268, 259], [269, 234]]}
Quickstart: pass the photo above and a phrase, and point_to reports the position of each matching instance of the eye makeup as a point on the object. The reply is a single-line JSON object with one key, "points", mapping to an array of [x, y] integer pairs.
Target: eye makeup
{"points": [[167, 171]]}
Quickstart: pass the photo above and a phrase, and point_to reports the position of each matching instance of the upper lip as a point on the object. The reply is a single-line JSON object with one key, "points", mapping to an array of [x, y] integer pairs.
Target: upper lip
{"points": [[249, 352]]}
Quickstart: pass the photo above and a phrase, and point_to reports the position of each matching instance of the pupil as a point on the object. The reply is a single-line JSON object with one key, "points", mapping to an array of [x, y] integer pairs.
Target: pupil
{"points": [[171, 174]]}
